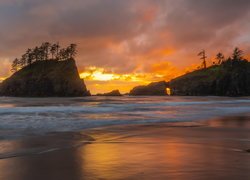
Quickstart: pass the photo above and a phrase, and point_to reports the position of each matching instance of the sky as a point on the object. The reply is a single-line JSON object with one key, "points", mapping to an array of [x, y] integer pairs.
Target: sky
{"points": [[125, 43]]}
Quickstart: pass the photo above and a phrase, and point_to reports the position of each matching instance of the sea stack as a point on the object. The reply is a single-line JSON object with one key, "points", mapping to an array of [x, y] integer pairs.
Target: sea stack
{"points": [[112, 93], [49, 78]]}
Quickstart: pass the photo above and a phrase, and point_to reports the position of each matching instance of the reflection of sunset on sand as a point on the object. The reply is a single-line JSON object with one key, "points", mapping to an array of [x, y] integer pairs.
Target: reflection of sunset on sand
{"points": [[188, 150], [184, 151]]}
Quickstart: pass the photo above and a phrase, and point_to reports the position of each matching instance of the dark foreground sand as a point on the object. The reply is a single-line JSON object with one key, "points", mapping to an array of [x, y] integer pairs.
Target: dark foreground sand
{"points": [[213, 149]]}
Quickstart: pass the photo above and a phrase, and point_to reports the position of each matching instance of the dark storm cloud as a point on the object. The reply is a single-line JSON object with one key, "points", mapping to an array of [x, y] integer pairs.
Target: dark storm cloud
{"points": [[124, 34], [219, 12], [198, 21], [103, 19], [25, 22]]}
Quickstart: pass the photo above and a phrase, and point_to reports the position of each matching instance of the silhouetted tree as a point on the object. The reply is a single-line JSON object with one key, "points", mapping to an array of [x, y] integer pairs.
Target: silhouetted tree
{"points": [[71, 50], [53, 50], [36, 52], [44, 52], [220, 58], [63, 54], [23, 61], [237, 54], [203, 57], [57, 46], [14, 66], [46, 48], [29, 56]]}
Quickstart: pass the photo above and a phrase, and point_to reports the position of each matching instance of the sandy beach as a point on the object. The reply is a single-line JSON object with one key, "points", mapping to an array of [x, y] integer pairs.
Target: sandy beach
{"points": [[214, 149]]}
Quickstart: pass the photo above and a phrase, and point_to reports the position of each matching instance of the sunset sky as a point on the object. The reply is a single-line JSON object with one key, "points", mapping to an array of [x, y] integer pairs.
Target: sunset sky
{"points": [[124, 43]]}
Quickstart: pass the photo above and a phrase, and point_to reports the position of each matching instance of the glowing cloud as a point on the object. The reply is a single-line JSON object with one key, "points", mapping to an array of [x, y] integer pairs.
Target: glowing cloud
{"points": [[124, 43]]}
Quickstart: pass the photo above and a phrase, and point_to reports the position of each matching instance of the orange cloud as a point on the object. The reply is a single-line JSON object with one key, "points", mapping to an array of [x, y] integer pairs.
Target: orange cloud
{"points": [[148, 15], [100, 74], [166, 70], [162, 52], [127, 43], [101, 80]]}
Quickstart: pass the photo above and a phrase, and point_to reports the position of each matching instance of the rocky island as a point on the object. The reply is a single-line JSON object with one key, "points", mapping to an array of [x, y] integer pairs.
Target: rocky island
{"points": [[112, 93], [229, 78], [40, 76]]}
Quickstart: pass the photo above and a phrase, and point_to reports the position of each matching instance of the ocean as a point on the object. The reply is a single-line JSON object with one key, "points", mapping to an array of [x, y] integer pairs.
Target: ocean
{"points": [[25, 117]]}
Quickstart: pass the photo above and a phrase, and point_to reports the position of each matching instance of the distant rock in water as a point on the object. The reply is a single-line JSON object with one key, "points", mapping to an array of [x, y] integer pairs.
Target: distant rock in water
{"points": [[112, 93], [232, 78], [45, 79], [153, 89]]}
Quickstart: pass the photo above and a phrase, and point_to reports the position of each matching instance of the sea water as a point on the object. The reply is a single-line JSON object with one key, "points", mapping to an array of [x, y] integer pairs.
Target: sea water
{"points": [[22, 117]]}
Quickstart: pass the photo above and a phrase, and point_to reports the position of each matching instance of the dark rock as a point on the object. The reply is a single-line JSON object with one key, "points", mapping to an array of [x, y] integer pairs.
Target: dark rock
{"points": [[219, 80], [112, 93], [248, 150], [153, 89], [45, 79]]}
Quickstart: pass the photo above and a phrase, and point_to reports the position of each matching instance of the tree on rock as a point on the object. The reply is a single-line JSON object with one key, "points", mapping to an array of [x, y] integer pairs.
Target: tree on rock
{"points": [[203, 57], [14, 66], [46, 51], [72, 50], [237, 54], [220, 58], [53, 51]]}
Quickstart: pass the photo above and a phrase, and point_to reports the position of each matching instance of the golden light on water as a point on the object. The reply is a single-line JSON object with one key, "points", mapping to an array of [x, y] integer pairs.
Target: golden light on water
{"points": [[168, 90]]}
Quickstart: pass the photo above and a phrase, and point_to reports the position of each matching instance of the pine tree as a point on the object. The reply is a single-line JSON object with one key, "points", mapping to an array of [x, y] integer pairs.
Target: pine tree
{"points": [[29, 56], [220, 58], [57, 47], [237, 54], [14, 66], [53, 50], [72, 50], [203, 56], [63, 54], [45, 50]]}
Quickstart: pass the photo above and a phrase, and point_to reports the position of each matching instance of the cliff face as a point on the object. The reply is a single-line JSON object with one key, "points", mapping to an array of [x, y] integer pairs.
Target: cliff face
{"points": [[153, 89], [45, 79], [228, 79]]}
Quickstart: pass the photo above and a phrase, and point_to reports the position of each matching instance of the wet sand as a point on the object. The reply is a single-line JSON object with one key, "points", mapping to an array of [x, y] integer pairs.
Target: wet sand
{"points": [[215, 149]]}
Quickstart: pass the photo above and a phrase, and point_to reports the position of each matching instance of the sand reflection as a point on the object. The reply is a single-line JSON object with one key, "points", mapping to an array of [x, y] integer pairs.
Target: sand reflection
{"points": [[186, 151], [175, 153]]}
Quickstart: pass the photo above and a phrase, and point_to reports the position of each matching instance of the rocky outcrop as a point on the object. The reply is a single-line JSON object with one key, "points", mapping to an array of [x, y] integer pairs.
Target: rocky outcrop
{"points": [[232, 78], [112, 93], [45, 79], [153, 89]]}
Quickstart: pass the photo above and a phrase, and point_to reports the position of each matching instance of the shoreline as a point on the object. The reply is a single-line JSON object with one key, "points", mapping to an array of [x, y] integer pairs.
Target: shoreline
{"points": [[196, 150]]}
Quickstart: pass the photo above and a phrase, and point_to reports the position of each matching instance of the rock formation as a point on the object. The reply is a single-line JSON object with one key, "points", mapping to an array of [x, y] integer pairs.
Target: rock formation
{"points": [[45, 79], [232, 78], [112, 93], [153, 89]]}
